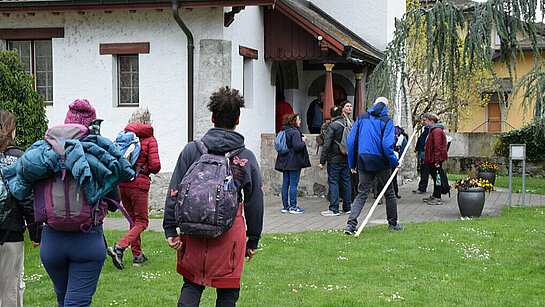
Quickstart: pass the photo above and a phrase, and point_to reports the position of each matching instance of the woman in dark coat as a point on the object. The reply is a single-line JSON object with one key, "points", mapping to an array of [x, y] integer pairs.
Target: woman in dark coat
{"points": [[291, 163]]}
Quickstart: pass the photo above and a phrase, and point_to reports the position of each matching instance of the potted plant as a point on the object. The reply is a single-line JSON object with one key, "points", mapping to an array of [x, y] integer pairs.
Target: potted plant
{"points": [[471, 195], [487, 171]]}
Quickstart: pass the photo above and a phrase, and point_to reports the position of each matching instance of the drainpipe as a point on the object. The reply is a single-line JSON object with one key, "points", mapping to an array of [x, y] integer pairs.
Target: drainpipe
{"points": [[190, 49]]}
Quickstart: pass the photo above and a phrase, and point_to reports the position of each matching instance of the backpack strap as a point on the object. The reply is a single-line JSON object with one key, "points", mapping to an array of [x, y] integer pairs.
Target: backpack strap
{"points": [[120, 209], [234, 152], [201, 147]]}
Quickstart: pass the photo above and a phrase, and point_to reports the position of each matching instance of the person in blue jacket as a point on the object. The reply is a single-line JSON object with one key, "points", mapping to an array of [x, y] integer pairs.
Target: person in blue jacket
{"points": [[291, 163], [371, 155]]}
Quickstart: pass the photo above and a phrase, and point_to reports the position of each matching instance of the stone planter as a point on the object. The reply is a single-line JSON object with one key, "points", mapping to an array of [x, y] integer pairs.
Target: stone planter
{"points": [[471, 201], [490, 176]]}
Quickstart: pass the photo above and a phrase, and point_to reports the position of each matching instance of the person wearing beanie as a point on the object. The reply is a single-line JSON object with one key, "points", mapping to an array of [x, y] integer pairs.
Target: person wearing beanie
{"points": [[134, 194], [80, 112], [74, 260]]}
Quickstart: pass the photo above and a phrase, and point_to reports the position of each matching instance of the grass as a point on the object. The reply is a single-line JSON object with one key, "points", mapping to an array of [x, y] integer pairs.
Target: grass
{"points": [[118, 214], [484, 261], [532, 184]]}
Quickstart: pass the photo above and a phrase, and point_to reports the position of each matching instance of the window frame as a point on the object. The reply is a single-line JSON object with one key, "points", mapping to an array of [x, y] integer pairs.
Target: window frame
{"points": [[130, 88]]}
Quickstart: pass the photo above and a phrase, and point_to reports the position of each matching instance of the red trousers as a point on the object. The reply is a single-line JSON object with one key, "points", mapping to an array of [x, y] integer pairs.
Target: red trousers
{"points": [[135, 202]]}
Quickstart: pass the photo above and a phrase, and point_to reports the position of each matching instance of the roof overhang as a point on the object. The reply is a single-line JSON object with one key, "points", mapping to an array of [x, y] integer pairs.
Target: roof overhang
{"points": [[33, 6]]}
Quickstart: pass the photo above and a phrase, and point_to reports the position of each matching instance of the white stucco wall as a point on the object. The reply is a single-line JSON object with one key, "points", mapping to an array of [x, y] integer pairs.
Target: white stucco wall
{"points": [[259, 116], [372, 20], [81, 72]]}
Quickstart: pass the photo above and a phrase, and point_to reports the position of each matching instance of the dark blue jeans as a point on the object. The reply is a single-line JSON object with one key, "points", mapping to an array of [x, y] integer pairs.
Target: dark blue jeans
{"points": [[338, 177], [365, 181], [73, 260], [290, 181]]}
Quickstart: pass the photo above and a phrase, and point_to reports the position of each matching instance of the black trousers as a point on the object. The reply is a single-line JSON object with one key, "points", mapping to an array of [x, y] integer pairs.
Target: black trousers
{"points": [[424, 175], [190, 295], [433, 171]]}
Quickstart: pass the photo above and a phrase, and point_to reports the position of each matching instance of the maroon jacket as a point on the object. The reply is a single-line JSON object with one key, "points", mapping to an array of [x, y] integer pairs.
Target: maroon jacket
{"points": [[148, 157], [436, 145]]}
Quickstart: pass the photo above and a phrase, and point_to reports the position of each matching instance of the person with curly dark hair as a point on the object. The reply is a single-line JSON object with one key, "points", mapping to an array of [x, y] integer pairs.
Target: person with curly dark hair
{"points": [[218, 262]]}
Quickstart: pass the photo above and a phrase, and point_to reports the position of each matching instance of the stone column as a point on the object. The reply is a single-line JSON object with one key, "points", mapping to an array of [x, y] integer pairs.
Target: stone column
{"points": [[358, 107], [328, 89]]}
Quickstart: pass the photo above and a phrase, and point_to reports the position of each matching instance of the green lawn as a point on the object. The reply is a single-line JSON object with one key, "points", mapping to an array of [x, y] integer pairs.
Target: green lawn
{"points": [[118, 214], [532, 184], [484, 261]]}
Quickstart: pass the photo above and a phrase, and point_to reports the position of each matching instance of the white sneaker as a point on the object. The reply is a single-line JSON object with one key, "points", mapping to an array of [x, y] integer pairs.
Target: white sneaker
{"points": [[330, 213]]}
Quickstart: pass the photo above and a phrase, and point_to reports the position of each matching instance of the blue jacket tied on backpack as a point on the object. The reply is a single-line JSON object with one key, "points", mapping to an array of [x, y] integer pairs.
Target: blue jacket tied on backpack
{"points": [[94, 161], [375, 142]]}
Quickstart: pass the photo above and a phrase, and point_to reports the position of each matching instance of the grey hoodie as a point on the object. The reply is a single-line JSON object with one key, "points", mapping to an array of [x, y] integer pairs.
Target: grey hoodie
{"points": [[245, 171]]}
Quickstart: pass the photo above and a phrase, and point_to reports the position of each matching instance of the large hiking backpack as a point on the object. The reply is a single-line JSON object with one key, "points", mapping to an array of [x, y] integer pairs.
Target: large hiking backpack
{"points": [[280, 143], [343, 145], [59, 200], [129, 144], [5, 205], [207, 199]]}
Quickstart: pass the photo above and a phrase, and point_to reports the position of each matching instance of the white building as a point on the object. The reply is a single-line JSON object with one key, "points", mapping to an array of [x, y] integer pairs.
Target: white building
{"points": [[125, 54]]}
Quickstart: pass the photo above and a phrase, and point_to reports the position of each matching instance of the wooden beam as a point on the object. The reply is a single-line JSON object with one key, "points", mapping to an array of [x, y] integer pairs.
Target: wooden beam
{"points": [[124, 48], [31, 33], [248, 52]]}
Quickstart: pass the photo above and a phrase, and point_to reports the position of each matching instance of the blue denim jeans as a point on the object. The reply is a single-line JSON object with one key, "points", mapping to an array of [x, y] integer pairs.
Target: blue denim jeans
{"points": [[73, 260], [338, 177], [365, 181], [290, 181]]}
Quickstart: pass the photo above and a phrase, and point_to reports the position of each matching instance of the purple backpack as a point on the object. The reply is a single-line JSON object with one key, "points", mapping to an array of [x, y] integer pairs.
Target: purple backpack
{"points": [[58, 200], [207, 198]]}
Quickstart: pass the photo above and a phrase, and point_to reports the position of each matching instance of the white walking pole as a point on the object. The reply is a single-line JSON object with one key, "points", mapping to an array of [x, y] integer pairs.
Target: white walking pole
{"points": [[385, 187]]}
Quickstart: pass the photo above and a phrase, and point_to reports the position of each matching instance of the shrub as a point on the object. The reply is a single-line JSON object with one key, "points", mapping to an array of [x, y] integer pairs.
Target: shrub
{"points": [[529, 135], [18, 97]]}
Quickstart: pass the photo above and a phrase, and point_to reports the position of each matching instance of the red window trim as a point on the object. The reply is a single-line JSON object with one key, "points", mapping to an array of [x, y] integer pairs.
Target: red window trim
{"points": [[124, 48], [248, 52], [31, 33]]}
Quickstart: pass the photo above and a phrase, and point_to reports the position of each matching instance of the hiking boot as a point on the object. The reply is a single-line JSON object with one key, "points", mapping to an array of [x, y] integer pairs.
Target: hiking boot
{"points": [[434, 201], [417, 191], [398, 197], [396, 227], [349, 230], [296, 210], [426, 199], [330, 213], [116, 252], [138, 260]]}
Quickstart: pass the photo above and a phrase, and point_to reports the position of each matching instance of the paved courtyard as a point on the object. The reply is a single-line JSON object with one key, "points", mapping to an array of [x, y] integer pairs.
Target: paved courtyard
{"points": [[411, 209]]}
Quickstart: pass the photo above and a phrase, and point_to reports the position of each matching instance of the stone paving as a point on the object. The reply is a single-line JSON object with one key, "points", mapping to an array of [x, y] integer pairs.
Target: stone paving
{"points": [[411, 209]]}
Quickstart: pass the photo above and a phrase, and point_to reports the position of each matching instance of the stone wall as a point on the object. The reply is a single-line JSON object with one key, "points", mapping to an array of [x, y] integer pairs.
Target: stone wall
{"points": [[464, 165]]}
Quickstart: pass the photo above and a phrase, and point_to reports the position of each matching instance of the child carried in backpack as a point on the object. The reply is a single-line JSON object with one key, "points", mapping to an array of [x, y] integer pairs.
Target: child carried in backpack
{"points": [[205, 201]]}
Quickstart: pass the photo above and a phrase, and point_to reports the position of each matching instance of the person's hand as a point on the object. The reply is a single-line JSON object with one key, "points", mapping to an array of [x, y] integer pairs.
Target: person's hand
{"points": [[436, 164], [304, 139], [35, 244], [175, 242], [250, 254], [400, 165], [321, 166], [353, 170]]}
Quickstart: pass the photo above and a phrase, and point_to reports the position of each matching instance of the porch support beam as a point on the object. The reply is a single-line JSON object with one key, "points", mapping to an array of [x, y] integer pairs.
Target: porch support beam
{"points": [[328, 89], [358, 102]]}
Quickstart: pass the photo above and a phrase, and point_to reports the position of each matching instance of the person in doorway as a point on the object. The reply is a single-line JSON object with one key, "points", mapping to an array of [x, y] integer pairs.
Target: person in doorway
{"points": [[15, 215], [283, 108], [134, 195], [373, 132], [291, 163], [338, 172], [435, 153], [315, 113], [420, 150], [203, 261]]}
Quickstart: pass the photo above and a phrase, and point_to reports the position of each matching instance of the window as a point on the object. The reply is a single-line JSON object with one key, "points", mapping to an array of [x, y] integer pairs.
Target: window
{"points": [[37, 59], [127, 79], [248, 81]]}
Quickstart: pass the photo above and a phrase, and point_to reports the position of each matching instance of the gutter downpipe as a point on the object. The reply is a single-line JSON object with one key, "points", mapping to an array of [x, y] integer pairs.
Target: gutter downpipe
{"points": [[190, 83]]}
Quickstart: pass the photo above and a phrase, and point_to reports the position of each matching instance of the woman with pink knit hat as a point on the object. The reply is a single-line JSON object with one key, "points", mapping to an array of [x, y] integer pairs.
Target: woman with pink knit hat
{"points": [[74, 260]]}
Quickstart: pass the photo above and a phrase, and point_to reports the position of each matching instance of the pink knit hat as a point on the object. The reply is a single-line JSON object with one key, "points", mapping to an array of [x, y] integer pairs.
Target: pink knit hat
{"points": [[80, 112]]}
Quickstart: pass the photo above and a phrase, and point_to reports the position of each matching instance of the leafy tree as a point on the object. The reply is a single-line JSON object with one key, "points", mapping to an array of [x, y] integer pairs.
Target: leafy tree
{"points": [[454, 54], [18, 97]]}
